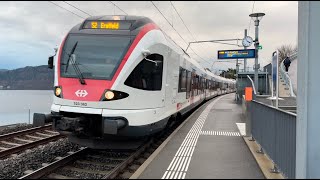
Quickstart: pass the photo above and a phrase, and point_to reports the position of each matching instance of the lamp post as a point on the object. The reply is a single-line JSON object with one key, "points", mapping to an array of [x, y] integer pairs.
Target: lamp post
{"points": [[256, 17], [245, 60]]}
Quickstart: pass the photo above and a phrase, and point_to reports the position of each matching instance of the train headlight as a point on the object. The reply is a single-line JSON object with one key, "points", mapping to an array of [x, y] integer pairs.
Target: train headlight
{"points": [[58, 91], [109, 95]]}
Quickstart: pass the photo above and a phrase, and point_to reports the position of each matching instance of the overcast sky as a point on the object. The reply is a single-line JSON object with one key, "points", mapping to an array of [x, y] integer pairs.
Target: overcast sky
{"points": [[30, 30]]}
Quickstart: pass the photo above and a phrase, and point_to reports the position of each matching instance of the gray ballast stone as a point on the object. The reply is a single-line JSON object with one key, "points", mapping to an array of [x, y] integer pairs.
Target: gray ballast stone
{"points": [[14, 167], [14, 127]]}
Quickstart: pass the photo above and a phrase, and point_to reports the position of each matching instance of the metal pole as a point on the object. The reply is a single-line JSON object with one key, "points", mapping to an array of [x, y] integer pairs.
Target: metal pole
{"points": [[187, 47], [214, 41], [277, 100], [237, 68], [267, 81], [272, 77], [308, 99], [29, 115], [245, 60], [256, 59]]}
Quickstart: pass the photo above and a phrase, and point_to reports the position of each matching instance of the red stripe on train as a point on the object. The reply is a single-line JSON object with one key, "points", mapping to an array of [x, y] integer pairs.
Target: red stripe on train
{"points": [[95, 88]]}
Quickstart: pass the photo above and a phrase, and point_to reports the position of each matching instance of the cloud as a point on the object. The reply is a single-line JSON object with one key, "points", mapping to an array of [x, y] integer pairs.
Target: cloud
{"points": [[30, 30]]}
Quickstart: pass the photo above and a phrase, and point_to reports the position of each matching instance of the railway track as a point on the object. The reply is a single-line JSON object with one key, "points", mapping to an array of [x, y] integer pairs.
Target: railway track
{"points": [[87, 163], [98, 164], [15, 142]]}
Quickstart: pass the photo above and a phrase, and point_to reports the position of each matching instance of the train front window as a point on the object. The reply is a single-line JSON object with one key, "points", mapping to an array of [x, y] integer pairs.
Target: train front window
{"points": [[97, 56]]}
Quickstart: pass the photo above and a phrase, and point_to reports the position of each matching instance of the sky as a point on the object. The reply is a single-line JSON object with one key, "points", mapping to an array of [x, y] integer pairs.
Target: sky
{"points": [[29, 30]]}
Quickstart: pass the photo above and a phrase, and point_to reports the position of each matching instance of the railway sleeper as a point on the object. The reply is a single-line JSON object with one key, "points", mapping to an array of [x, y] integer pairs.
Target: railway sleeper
{"points": [[23, 140], [71, 168], [58, 176]]}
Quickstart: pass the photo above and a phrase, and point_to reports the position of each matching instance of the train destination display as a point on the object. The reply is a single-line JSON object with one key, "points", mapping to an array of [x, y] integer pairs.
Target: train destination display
{"points": [[108, 25], [237, 54]]}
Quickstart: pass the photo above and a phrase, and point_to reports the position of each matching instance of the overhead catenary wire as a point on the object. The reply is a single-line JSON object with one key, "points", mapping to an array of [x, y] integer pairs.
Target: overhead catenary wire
{"points": [[177, 32], [77, 8], [118, 7], [168, 23], [192, 35], [127, 14], [66, 9]]}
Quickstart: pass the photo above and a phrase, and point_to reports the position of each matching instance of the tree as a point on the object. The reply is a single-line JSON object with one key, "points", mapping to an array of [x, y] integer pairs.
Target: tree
{"points": [[230, 73], [286, 50]]}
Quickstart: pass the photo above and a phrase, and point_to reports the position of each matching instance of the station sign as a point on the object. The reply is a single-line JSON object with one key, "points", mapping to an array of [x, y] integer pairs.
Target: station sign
{"points": [[237, 54]]}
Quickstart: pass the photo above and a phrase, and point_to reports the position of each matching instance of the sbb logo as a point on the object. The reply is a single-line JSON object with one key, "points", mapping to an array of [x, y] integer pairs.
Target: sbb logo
{"points": [[81, 93]]}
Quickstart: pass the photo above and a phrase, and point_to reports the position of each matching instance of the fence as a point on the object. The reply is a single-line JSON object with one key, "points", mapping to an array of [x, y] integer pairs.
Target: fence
{"points": [[285, 75], [275, 131]]}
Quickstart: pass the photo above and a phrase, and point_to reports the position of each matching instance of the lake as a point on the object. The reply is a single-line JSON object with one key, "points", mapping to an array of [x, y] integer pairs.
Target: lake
{"points": [[15, 105]]}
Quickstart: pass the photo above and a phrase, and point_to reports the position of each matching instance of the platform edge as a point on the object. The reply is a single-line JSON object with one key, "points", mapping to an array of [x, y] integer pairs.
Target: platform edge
{"points": [[142, 168], [265, 164]]}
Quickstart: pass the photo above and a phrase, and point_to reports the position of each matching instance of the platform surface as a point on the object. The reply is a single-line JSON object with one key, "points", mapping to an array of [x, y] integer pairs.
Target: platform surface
{"points": [[209, 145]]}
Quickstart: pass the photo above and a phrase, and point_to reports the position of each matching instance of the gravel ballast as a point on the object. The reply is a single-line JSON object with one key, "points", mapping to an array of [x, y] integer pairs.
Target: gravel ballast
{"points": [[14, 167], [14, 127]]}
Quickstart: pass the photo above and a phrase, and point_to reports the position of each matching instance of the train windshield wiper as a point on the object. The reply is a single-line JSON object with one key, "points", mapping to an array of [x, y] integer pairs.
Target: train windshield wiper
{"points": [[72, 57], [72, 51], [76, 69]]}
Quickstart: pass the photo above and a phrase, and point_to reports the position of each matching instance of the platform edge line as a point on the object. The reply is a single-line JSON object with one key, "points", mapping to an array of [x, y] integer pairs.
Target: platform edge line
{"points": [[141, 169]]}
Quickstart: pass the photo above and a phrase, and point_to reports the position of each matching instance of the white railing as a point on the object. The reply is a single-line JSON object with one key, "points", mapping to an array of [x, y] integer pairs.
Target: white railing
{"points": [[285, 74], [254, 89]]}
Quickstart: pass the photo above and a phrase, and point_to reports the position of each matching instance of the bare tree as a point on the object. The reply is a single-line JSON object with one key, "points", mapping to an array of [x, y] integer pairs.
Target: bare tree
{"points": [[284, 51]]}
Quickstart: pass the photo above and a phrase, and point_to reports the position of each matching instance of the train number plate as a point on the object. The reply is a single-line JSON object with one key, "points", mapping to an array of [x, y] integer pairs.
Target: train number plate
{"points": [[79, 104]]}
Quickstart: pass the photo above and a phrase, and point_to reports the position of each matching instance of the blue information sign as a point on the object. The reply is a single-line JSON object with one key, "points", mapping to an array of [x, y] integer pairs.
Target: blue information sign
{"points": [[237, 54]]}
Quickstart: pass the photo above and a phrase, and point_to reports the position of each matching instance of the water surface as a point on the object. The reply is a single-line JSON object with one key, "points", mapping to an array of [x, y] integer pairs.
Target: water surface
{"points": [[16, 104]]}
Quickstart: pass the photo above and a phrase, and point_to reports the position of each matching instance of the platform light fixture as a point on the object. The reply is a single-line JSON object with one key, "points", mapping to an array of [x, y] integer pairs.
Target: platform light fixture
{"points": [[256, 17]]}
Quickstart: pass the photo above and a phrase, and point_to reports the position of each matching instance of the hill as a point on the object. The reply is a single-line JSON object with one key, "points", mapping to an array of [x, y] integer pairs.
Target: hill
{"points": [[27, 78]]}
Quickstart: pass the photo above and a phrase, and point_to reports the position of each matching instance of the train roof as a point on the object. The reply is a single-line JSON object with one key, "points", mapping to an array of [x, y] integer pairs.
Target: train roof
{"points": [[137, 23], [119, 17]]}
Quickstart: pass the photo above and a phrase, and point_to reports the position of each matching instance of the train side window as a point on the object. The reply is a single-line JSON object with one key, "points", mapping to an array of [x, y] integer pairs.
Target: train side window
{"points": [[188, 83], [201, 85], [212, 85], [147, 75], [182, 80], [195, 85]]}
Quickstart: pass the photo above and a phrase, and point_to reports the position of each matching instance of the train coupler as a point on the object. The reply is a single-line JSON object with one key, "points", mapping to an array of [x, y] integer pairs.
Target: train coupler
{"points": [[41, 119]]}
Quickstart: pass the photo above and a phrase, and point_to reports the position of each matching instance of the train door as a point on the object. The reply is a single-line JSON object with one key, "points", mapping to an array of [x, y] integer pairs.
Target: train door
{"points": [[192, 84], [172, 78]]}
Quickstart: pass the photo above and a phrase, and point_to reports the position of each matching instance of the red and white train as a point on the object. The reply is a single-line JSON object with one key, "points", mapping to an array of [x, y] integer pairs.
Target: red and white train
{"points": [[122, 77]]}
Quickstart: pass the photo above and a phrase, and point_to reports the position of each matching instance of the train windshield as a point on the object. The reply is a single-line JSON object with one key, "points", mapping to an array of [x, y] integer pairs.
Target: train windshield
{"points": [[96, 56]]}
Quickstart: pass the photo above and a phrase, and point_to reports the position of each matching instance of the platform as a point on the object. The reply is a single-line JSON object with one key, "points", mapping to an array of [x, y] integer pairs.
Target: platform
{"points": [[208, 145]]}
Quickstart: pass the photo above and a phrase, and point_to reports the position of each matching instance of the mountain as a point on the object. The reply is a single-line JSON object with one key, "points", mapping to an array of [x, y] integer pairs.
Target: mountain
{"points": [[2, 70], [27, 78]]}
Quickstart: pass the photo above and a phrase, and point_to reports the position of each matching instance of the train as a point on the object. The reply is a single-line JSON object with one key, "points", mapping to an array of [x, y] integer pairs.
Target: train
{"points": [[118, 79]]}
